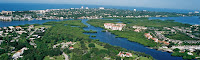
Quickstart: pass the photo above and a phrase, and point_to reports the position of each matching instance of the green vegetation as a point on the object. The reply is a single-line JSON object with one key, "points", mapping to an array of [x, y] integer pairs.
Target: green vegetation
{"points": [[152, 24], [182, 54], [46, 26], [179, 36], [65, 23], [135, 37], [91, 45], [84, 49], [93, 36], [138, 21], [61, 57], [90, 31]]}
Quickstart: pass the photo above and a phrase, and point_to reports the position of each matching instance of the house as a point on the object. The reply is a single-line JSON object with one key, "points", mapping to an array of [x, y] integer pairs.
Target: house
{"points": [[120, 24], [69, 42], [1, 32], [65, 44], [124, 54], [20, 32], [137, 30], [189, 53], [18, 53], [6, 12], [140, 27], [155, 39], [35, 35], [6, 18], [71, 47], [1, 41], [11, 27], [148, 35], [31, 38], [31, 26], [166, 43], [18, 27], [4, 27]]}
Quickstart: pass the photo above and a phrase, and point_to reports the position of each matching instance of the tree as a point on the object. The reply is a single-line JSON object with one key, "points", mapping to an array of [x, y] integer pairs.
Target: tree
{"points": [[91, 45], [176, 50], [188, 57]]}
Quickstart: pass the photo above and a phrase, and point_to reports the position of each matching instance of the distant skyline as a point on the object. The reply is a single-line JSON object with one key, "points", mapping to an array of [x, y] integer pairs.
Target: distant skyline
{"points": [[173, 4]]}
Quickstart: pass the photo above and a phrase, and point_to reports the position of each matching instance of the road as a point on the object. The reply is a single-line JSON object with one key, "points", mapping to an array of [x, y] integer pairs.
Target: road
{"points": [[32, 33], [66, 56]]}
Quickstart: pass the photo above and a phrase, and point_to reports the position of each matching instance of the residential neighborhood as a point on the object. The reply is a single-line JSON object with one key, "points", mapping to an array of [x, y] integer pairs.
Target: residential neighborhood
{"points": [[14, 34]]}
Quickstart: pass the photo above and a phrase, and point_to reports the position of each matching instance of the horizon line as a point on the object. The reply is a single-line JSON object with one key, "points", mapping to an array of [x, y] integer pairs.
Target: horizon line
{"points": [[100, 5]]}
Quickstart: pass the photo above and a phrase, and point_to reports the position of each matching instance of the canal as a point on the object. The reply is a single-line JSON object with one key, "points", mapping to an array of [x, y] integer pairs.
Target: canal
{"points": [[109, 38]]}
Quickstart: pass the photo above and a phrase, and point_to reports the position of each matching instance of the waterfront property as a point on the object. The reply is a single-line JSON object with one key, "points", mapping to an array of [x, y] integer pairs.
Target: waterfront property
{"points": [[113, 26], [4, 18], [190, 48], [139, 28], [149, 36], [6, 12]]}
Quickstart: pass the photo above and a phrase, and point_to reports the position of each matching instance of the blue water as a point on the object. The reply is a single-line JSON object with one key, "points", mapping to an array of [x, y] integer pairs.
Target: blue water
{"points": [[109, 38], [102, 36], [15, 23], [188, 20], [34, 6]]}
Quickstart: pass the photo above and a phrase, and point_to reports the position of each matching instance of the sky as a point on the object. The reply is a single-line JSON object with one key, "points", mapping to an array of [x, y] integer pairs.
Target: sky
{"points": [[174, 4]]}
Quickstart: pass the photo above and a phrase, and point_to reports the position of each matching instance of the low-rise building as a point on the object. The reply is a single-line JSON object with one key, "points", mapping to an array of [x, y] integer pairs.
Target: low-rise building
{"points": [[18, 27], [112, 26], [5, 18], [11, 27], [6, 12], [140, 27], [148, 35], [20, 32], [124, 54], [71, 47], [18, 53], [1, 32]]}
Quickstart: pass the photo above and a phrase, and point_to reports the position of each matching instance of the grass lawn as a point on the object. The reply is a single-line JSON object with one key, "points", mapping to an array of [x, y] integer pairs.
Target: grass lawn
{"points": [[46, 26], [179, 36], [96, 46], [61, 57], [143, 58], [134, 56], [77, 45]]}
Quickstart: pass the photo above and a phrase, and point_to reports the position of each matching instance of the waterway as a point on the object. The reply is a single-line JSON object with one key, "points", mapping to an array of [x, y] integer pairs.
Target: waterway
{"points": [[109, 38], [106, 37], [188, 19]]}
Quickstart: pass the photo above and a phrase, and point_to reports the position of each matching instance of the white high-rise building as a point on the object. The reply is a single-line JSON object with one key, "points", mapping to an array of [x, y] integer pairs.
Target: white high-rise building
{"points": [[190, 12], [196, 12], [82, 7], [101, 7], [144, 10], [134, 9], [86, 8]]}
